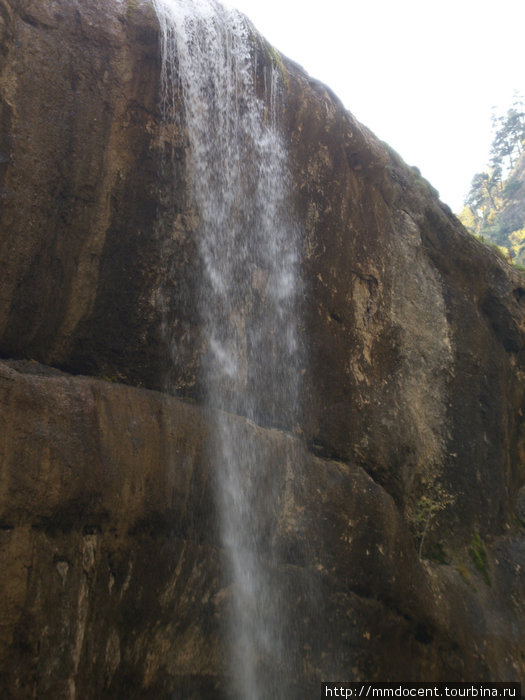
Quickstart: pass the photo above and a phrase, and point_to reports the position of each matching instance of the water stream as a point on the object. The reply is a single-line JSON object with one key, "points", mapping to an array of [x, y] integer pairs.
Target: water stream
{"points": [[247, 299]]}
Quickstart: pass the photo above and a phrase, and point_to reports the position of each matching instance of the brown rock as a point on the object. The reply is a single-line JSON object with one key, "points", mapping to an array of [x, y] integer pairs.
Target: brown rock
{"points": [[413, 393], [111, 577]]}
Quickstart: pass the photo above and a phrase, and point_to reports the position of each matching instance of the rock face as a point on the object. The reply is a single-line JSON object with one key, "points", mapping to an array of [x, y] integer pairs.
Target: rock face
{"points": [[111, 573], [411, 440]]}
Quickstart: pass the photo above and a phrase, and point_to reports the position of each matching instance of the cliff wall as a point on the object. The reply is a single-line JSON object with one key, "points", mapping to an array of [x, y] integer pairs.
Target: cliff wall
{"points": [[411, 438]]}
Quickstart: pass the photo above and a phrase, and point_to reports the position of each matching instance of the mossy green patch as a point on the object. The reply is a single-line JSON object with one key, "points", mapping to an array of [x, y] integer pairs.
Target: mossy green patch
{"points": [[273, 55], [277, 62], [132, 6], [423, 516], [464, 573], [478, 554]]}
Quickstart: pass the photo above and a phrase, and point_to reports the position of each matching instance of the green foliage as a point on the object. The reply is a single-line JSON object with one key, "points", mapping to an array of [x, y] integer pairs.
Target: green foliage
{"points": [[468, 219], [277, 62], [509, 134], [464, 572], [517, 242], [423, 516], [511, 188], [478, 555], [500, 251], [462, 566], [132, 6], [495, 207], [273, 55]]}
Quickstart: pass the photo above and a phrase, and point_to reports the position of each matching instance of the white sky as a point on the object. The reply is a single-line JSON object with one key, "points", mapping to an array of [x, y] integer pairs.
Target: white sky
{"points": [[422, 75]]}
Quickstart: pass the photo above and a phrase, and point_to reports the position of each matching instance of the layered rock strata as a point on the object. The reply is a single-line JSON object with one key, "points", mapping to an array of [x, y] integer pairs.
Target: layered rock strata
{"points": [[411, 438]]}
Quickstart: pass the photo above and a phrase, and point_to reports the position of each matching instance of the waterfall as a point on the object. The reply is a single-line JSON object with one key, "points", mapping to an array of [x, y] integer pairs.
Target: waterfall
{"points": [[247, 297]]}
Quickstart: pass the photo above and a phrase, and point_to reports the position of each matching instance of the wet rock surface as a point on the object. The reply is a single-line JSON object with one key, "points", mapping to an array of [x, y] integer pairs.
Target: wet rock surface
{"points": [[403, 502], [111, 567]]}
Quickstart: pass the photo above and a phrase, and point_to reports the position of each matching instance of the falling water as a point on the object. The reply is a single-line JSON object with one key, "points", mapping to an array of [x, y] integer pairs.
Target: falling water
{"points": [[247, 298]]}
